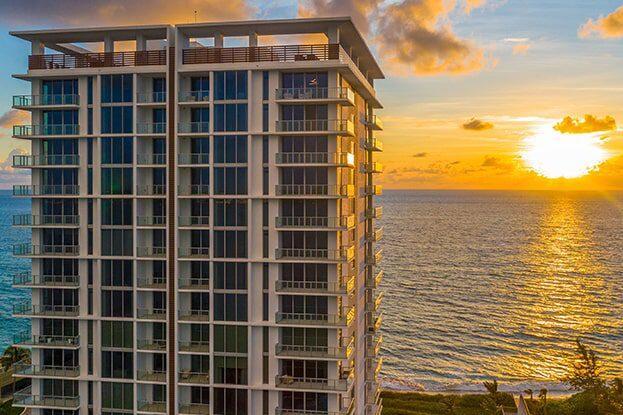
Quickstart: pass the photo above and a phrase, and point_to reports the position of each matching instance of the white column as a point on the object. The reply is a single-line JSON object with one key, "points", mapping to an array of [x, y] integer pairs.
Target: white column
{"points": [[141, 42], [252, 39], [109, 44], [218, 40]]}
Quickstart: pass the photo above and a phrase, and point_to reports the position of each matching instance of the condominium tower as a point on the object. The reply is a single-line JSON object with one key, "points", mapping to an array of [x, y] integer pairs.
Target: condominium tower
{"points": [[203, 220]]}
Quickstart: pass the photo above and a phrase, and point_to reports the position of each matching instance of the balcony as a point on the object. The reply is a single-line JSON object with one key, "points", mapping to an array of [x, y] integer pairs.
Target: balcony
{"points": [[194, 408], [194, 221], [375, 281], [46, 190], [371, 190], [194, 315], [194, 190], [30, 251], [312, 159], [342, 254], [151, 98], [193, 283], [340, 127], [98, 60], [152, 407], [152, 190], [27, 309], [151, 376], [26, 102], [373, 368], [27, 280], [54, 221], [292, 382], [374, 213], [194, 97], [151, 282], [316, 287], [194, 252], [312, 222], [375, 123], [26, 339], [315, 319], [151, 221], [340, 95], [374, 304], [373, 344], [150, 313], [26, 399], [193, 159], [376, 258], [194, 346], [280, 411], [151, 345], [46, 130], [21, 161], [24, 369], [276, 53], [191, 128], [151, 128], [376, 236], [315, 352], [151, 159], [373, 144], [374, 325], [194, 378], [374, 167], [315, 190]]}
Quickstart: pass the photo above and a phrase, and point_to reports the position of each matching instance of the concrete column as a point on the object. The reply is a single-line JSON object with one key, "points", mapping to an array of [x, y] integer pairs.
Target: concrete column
{"points": [[37, 47], [333, 34], [141, 42], [252, 39], [218, 40], [109, 44]]}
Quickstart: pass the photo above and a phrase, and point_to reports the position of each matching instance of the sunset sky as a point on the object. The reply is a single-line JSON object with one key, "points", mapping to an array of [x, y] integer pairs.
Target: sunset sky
{"points": [[476, 95]]}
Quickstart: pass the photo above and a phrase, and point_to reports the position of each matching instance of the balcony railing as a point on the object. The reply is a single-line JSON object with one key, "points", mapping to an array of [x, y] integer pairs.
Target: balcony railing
{"points": [[45, 250], [26, 190], [194, 190], [98, 60], [151, 97], [147, 313], [151, 128], [374, 167], [315, 318], [376, 258], [332, 190], [277, 53], [188, 376], [375, 123], [151, 221], [197, 346], [280, 411], [339, 159], [25, 101], [373, 344], [193, 127], [194, 283], [340, 127], [151, 282], [151, 375], [316, 93], [28, 369], [156, 407], [194, 408], [33, 340], [47, 160], [27, 279], [372, 190], [147, 159], [375, 281], [329, 287], [194, 315], [343, 254], [195, 96], [154, 345], [375, 213], [27, 399], [292, 382], [297, 350], [151, 190], [45, 130], [193, 158], [28, 309], [341, 222], [151, 251], [46, 220], [194, 251], [373, 144], [194, 221]]}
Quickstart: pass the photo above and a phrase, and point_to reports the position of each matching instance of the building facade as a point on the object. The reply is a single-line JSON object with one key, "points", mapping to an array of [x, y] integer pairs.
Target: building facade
{"points": [[203, 220]]}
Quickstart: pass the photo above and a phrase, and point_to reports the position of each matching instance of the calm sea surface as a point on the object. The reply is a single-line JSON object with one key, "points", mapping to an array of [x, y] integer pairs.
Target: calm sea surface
{"points": [[478, 285]]}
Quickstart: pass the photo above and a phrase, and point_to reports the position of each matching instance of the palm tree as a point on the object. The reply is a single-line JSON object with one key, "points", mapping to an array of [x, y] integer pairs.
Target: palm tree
{"points": [[491, 387], [530, 393], [13, 355], [543, 399], [492, 404]]}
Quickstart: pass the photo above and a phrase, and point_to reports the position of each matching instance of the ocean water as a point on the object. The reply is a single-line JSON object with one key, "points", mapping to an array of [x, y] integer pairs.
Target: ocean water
{"points": [[484, 285], [478, 285]]}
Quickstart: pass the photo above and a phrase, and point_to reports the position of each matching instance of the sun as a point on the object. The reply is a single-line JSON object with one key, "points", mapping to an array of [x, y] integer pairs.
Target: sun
{"points": [[556, 155]]}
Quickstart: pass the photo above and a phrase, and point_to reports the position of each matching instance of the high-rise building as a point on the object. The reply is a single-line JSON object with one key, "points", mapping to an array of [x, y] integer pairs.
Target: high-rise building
{"points": [[203, 220]]}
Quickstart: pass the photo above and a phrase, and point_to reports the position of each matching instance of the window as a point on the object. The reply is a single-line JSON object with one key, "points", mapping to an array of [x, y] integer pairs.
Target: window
{"points": [[230, 401], [117, 334], [117, 181], [230, 149], [116, 88], [230, 85], [304, 80], [230, 339], [200, 88], [54, 91], [117, 395], [230, 307], [117, 273], [230, 117], [230, 212], [117, 120], [230, 369], [60, 117], [230, 180], [265, 117], [265, 85], [117, 212], [117, 242], [230, 244], [117, 150], [230, 276], [117, 365], [117, 303]]}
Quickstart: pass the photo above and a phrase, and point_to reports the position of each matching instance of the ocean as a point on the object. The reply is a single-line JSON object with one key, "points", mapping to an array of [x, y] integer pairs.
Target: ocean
{"points": [[479, 285]]}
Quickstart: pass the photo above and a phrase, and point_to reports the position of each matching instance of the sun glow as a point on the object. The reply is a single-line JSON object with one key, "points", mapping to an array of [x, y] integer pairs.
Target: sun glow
{"points": [[556, 155]]}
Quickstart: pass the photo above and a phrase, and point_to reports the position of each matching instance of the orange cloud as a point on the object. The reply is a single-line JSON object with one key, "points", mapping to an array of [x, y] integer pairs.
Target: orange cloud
{"points": [[360, 11], [13, 117], [610, 26], [473, 4], [590, 124], [121, 12], [521, 49], [477, 125]]}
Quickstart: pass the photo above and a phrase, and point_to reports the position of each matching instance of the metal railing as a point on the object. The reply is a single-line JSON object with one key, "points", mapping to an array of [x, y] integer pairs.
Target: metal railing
{"points": [[22, 160], [345, 190], [375, 122], [45, 130], [194, 408], [150, 375], [151, 220], [151, 128], [342, 254], [27, 339], [194, 315], [45, 100], [151, 190], [98, 60], [145, 313], [194, 221], [194, 251], [151, 97], [194, 96], [315, 286], [26, 398], [28, 369], [336, 125], [144, 159], [151, 251], [197, 346], [293, 382], [318, 93], [151, 282], [372, 190], [193, 127], [276, 53], [26, 249], [194, 189], [373, 144], [193, 158], [27, 279], [374, 167], [45, 220], [188, 283], [27, 308], [188, 376], [46, 190], [297, 350], [342, 159], [314, 318], [315, 222], [159, 407], [151, 344]]}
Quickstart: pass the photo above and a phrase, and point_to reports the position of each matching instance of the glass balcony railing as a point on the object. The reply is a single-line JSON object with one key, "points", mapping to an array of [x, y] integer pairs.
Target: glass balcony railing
{"points": [[25, 190], [372, 190], [344, 94], [194, 251], [45, 160], [336, 126], [338, 159], [193, 158], [201, 221], [192, 377], [155, 345], [196, 346], [320, 352], [193, 283], [194, 96], [343, 254], [151, 375], [193, 127], [151, 97], [375, 123], [194, 315], [151, 281], [151, 251], [158, 221], [375, 281], [28, 250], [194, 190], [151, 128], [374, 213], [329, 190], [28, 309], [29, 280], [374, 167], [194, 408], [315, 318], [151, 406], [46, 220], [293, 382], [150, 313], [45, 130], [373, 144], [28, 369], [34, 340], [151, 190], [26, 398], [342, 222], [151, 159], [281, 411], [329, 287], [26, 101], [376, 258]]}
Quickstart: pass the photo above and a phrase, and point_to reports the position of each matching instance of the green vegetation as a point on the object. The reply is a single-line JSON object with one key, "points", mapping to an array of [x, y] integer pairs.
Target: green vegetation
{"points": [[7, 409], [410, 403]]}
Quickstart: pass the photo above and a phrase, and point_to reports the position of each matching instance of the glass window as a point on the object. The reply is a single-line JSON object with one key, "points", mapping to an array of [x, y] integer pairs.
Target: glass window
{"points": [[230, 149], [230, 275], [230, 212], [116, 88], [116, 181], [117, 303], [117, 364], [117, 150], [117, 273], [230, 401], [117, 396], [230, 117], [230, 85], [230, 307], [117, 120], [230, 339], [117, 242], [230, 244], [230, 180]]}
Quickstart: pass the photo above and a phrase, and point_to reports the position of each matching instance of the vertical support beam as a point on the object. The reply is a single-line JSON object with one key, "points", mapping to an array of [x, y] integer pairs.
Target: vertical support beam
{"points": [[141, 42], [218, 40], [252, 39], [109, 44], [333, 34], [37, 47]]}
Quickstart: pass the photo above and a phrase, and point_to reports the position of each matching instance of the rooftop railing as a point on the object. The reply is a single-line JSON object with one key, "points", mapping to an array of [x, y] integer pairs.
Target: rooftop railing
{"points": [[98, 60], [276, 53]]}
